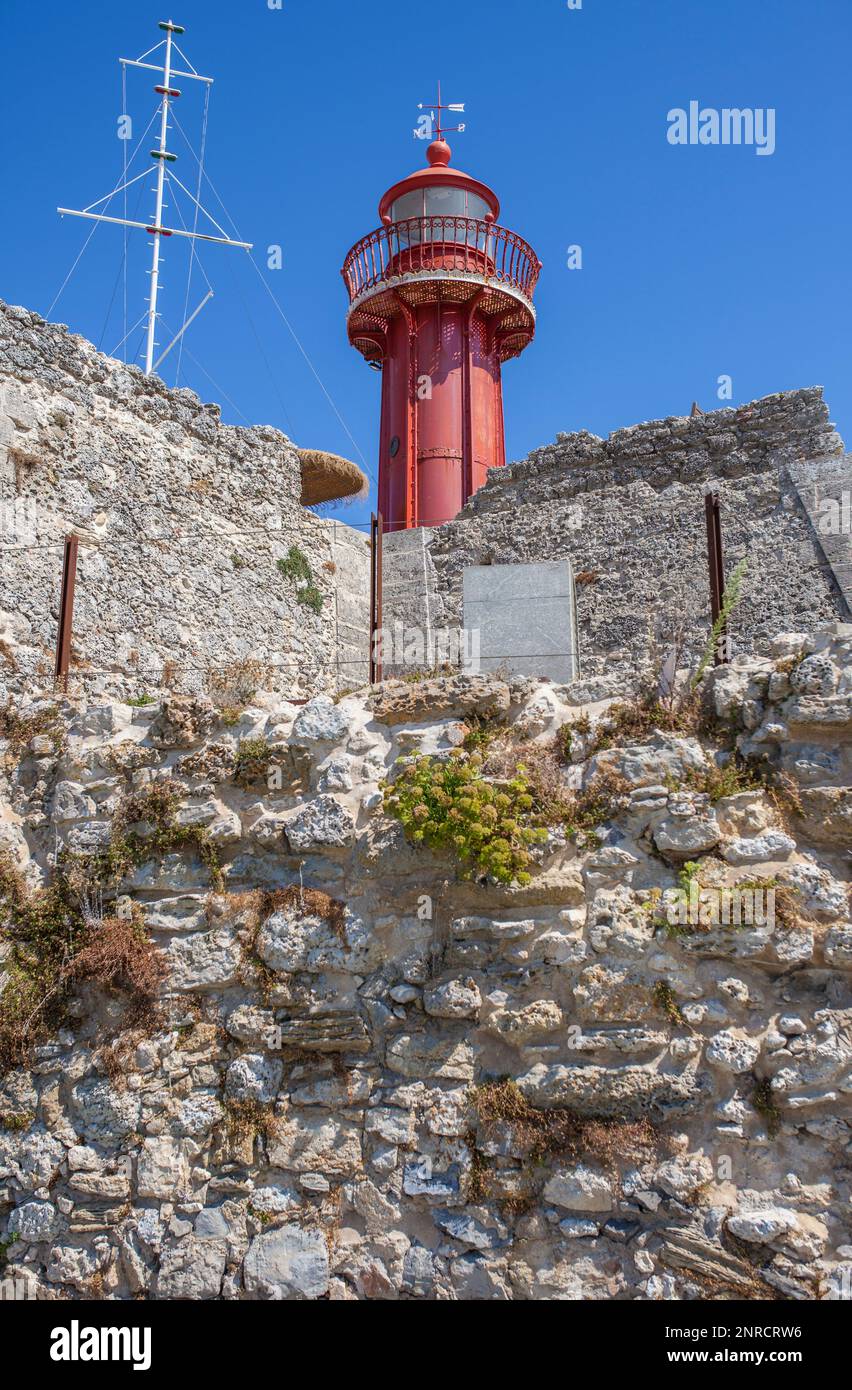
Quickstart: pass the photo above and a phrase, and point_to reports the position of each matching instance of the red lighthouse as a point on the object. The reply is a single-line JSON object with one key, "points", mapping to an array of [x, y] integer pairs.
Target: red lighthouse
{"points": [[440, 296]]}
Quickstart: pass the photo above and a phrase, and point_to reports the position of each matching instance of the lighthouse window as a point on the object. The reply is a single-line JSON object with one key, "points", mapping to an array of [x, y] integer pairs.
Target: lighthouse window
{"points": [[409, 205], [477, 207], [394, 446], [446, 202], [438, 202]]}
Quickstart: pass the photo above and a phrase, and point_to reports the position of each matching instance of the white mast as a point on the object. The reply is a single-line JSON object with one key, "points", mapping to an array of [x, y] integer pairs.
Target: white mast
{"points": [[158, 211], [163, 156]]}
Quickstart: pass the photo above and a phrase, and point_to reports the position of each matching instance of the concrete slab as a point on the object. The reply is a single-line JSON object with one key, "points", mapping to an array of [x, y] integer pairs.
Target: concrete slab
{"points": [[525, 619]]}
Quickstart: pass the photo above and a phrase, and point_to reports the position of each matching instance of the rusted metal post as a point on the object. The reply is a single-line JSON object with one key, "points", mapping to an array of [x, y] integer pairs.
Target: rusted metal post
{"points": [[717, 571], [376, 664], [66, 611]]}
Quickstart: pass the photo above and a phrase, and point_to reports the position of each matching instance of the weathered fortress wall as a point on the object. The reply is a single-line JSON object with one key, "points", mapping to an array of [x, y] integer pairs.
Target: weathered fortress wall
{"points": [[628, 511], [447, 1089], [258, 1042], [182, 520]]}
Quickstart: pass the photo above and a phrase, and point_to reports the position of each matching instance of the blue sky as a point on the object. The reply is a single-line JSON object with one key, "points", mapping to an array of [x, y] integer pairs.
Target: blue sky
{"points": [[698, 261]]}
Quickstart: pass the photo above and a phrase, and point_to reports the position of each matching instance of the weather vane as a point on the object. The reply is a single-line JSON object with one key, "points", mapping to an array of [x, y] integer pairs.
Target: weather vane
{"points": [[430, 127]]}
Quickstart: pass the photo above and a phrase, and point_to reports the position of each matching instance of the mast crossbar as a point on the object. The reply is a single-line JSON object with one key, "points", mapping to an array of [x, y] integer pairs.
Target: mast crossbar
{"points": [[175, 72], [162, 231]]}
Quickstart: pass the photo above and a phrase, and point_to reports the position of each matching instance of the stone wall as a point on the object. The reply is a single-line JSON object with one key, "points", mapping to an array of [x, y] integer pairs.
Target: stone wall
{"points": [[306, 1118], [629, 513], [182, 522]]}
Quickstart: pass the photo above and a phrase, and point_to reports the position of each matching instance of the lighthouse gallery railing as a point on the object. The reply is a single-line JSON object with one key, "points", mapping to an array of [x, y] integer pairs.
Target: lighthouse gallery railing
{"points": [[455, 244]]}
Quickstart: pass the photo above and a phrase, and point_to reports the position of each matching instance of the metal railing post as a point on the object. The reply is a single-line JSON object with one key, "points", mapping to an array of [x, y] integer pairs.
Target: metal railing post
{"points": [[713, 518], [66, 611], [376, 662]]}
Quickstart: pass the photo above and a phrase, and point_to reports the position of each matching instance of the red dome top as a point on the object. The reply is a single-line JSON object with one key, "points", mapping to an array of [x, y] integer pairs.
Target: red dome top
{"points": [[439, 152], [438, 173]]}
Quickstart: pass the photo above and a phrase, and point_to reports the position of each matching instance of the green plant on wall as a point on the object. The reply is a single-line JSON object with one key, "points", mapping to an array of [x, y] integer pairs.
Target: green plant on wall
{"points": [[448, 805], [57, 933], [730, 599], [296, 566]]}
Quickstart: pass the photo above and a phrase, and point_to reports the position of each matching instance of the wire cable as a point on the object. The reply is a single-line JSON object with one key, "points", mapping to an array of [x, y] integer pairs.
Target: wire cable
{"points": [[223, 393], [192, 254], [283, 316], [95, 225], [121, 266], [259, 341], [143, 315]]}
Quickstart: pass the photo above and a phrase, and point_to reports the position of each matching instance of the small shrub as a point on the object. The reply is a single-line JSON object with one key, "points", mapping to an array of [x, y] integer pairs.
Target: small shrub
{"points": [[309, 902], [257, 904], [57, 936], [253, 757], [155, 807], [565, 736], [248, 1118], [481, 733], [548, 1132], [785, 796], [251, 909], [42, 928], [311, 597], [449, 805], [689, 873], [542, 765], [20, 729], [635, 721], [790, 913], [599, 801], [717, 782], [119, 956], [16, 1124], [139, 701], [55, 941], [6, 1242], [666, 1001], [264, 1217], [763, 1101], [237, 683], [296, 566]]}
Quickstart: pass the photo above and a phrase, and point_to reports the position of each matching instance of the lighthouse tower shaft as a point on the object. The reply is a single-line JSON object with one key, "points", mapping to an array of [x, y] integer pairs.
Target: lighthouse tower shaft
{"points": [[442, 410], [440, 296]]}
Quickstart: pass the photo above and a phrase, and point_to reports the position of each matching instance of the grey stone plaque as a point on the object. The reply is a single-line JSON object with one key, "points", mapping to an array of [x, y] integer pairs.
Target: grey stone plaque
{"points": [[525, 616]]}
